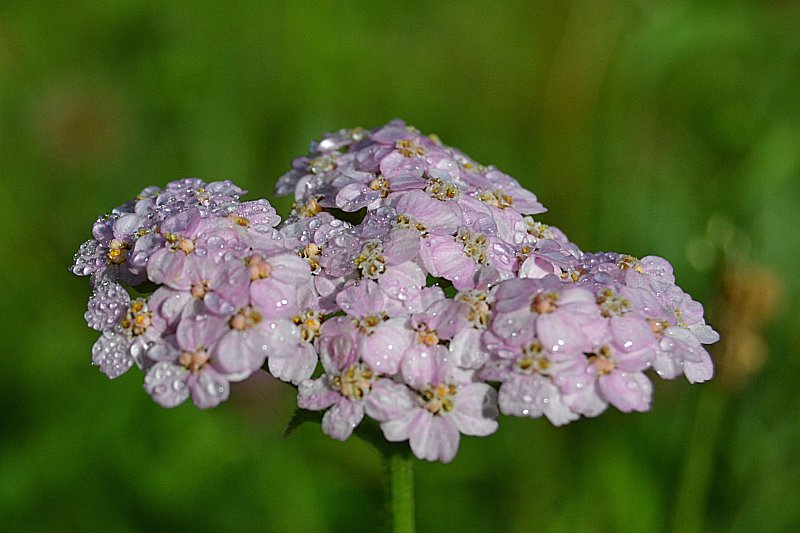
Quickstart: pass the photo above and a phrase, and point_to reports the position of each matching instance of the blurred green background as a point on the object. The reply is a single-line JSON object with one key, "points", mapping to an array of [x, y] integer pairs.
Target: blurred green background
{"points": [[663, 127]]}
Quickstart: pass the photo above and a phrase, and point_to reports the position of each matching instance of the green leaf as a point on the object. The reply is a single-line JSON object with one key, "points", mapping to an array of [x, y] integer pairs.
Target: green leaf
{"points": [[300, 417]]}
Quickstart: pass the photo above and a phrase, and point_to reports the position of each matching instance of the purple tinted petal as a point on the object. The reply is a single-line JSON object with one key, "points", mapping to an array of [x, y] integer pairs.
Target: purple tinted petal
{"points": [[434, 438], [166, 383], [274, 299], [208, 388], [127, 224], [626, 391], [402, 283], [316, 394], [514, 328], [514, 294], [293, 367], [340, 421], [108, 303], [420, 365], [475, 411], [384, 349], [355, 196], [398, 429], [111, 353], [467, 350], [447, 317], [558, 332], [698, 372], [289, 269], [363, 299], [631, 333], [389, 401], [198, 328], [240, 353], [167, 267], [168, 305], [533, 396], [401, 246]]}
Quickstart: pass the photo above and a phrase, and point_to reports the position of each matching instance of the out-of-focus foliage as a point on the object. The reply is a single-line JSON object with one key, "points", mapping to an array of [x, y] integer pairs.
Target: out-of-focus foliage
{"points": [[668, 128]]}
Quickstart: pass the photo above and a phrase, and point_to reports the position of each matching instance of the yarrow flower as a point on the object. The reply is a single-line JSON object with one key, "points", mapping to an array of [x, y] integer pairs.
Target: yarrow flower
{"points": [[411, 288]]}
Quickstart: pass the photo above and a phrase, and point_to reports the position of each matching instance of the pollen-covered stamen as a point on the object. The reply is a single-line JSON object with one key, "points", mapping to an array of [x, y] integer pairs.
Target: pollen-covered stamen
{"points": [[323, 163], [679, 317], [259, 268], [194, 361], [573, 274], [309, 323], [612, 304], [469, 165], [544, 302], [426, 335], [367, 324], [244, 319], [496, 198], [370, 262], [533, 360], [355, 382], [239, 220], [537, 229], [404, 221], [476, 246], [409, 148], [179, 243], [311, 253], [628, 261], [523, 253], [186, 246], [200, 289], [118, 251], [479, 308], [603, 361], [380, 184], [137, 319], [441, 190], [308, 209], [657, 326], [438, 399], [202, 196]]}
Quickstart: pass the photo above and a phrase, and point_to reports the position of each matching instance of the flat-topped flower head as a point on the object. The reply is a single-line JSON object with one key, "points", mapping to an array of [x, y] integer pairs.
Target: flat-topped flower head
{"points": [[409, 284]]}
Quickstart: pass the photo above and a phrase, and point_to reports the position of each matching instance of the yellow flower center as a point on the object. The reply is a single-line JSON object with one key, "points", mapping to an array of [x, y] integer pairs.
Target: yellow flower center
{"points": [[409, 148], [370, 261], [545, 302], [117, 251], [259, 268], [438, 399], [355, 382], [244, 319], [194, 361], [310, 323]]}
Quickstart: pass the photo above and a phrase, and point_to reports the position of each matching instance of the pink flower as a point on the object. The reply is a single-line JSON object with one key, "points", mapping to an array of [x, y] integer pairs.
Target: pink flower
{"points": [[435, 405]]}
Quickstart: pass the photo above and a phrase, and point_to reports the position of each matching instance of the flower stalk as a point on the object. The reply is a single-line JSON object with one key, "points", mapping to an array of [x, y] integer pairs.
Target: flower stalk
{"points": [[398, 479]]}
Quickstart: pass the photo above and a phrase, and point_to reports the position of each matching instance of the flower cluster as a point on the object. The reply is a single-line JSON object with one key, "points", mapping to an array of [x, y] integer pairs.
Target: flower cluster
{"points": [[409, 284]]}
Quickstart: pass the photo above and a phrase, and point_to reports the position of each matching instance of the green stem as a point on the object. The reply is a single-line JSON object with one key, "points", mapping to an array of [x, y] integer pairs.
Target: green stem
{"points": [[692, 494], [398, 475]]}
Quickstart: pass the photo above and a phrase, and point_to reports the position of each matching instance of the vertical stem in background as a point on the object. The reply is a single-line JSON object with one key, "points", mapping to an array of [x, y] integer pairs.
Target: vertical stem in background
{"points": [[692, 496], [398, 486]]}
